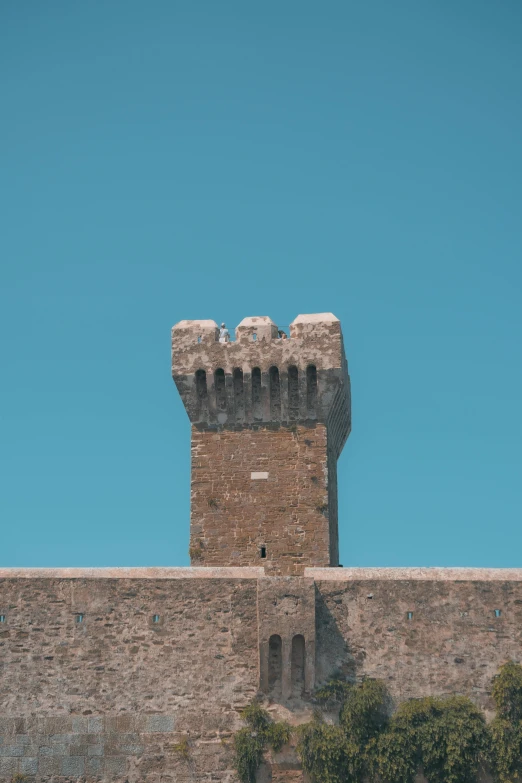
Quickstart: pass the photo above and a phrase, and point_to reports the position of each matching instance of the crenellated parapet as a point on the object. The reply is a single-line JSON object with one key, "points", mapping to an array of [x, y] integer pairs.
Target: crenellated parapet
{"points": [[261, 377]]}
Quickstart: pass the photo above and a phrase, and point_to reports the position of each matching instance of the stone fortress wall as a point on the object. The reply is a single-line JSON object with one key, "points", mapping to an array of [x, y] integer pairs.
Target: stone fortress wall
{"points": [[105, 674], [113, 696]]}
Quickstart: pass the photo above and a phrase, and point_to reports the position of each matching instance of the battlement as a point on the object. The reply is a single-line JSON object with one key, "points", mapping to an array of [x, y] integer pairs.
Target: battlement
{"points": [[262, 377], [314, 339]]}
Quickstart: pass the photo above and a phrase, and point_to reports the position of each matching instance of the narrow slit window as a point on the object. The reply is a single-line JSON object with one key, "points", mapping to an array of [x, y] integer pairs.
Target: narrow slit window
{"points": [[410, 615], [254, 337], [311, 390], [155, 619], [263, 551], [239, 393], [2, 618], [79, 618], [256, 394], [221, 393], [293, 392], [199, 339], [275, 394], [498, 613]]}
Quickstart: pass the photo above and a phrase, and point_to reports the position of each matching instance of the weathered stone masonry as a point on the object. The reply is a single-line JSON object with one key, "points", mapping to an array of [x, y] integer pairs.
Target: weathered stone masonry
{"points": [[269, 417], [111, 696], [112, 674], [234, 516]]}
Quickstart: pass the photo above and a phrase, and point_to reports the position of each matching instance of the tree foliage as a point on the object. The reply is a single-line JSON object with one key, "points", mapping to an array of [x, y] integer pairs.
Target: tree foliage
{"points": [[506, 729], [445, 738], [333, 692], [341, 754], [364, 712], [251, 741], [507, 691], [327, 753]]}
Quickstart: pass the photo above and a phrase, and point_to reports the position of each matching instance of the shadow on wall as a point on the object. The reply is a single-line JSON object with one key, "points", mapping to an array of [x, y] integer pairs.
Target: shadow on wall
{"points": [[332, 654]]}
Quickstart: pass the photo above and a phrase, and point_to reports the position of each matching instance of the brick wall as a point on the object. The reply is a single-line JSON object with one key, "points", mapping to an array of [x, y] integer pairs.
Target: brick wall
{"points": [[233, 515]]}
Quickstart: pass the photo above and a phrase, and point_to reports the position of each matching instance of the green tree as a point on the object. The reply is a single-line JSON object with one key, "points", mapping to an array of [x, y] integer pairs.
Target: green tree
{"points": [[251, 741], [506, 729], [446, 737]]}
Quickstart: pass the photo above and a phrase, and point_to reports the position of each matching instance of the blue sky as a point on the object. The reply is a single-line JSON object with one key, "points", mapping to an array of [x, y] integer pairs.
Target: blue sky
{"points": [[172, 160]]}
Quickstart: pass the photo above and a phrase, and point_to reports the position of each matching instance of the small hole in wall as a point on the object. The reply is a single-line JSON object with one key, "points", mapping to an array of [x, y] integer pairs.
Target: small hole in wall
{"points": [[79, 618], [410, 615], [254, 337], [199, 339], [262, 551], [370, 595], [2, 618], [498, 612], [155, 618]]}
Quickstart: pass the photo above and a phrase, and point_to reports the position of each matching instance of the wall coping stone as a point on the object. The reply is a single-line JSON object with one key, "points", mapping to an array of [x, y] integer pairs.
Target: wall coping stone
{"points": [[410, 574], [254, 572], [155, 572]]}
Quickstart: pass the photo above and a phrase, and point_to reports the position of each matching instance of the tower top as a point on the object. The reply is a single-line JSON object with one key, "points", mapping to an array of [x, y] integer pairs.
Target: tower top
{"points": [[316, 330], [264, 376]]}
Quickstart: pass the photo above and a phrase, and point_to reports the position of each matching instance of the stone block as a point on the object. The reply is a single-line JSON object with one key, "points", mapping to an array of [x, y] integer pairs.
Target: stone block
{"points": [[120, 723], [73, 765], [8, 766], [7, 726], [48, 765], [159, 723], [94, 765], [58, 750], [28, 765], [95, 750], [55, 725], [95, 725], [78, 749], [62, 739], [11, 750], [128, 744], [115, 765], [80, 724]]}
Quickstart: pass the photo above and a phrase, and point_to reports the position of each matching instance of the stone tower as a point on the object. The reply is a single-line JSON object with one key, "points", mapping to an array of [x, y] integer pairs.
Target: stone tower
{"points": [[269, 418]]}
